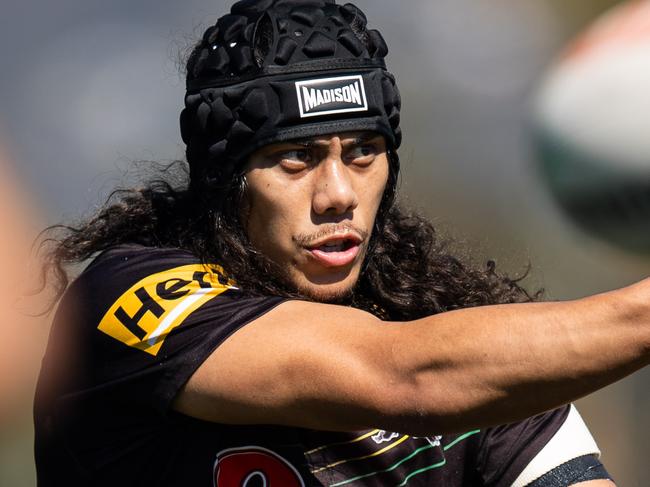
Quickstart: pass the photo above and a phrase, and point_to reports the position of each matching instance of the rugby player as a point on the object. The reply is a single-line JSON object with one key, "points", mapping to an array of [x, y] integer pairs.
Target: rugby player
{"points": [[279, 320]]}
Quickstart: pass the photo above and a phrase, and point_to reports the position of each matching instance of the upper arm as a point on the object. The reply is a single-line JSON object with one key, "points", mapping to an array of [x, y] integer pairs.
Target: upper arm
{"points": [[301, 364]]}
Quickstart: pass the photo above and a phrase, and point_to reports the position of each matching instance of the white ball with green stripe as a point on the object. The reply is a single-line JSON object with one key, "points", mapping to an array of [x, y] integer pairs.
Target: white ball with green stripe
{"points": [[592, 128]]}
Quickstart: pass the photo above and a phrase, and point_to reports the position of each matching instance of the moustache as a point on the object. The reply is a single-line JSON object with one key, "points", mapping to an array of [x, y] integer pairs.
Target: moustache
{"points": [[306, 239]]}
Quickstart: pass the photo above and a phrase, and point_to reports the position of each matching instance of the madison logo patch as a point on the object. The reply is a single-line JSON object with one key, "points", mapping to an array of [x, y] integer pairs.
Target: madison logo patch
{"points": [[145, 315], [327, 96]]}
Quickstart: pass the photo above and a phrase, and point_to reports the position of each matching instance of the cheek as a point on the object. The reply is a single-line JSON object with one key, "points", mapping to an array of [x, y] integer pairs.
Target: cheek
{"points": [[375, 186], [268, 205]]}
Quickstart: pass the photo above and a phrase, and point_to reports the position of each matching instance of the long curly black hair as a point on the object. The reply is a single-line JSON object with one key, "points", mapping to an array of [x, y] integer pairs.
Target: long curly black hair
{"points": [[407, 272]]}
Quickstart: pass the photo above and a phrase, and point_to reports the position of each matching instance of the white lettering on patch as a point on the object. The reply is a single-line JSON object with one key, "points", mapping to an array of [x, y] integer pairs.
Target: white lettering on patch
{"points": [[327, 96]]}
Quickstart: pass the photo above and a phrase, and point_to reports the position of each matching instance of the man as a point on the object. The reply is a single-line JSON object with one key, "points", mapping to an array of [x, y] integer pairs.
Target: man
{"points": [[279, 321]]}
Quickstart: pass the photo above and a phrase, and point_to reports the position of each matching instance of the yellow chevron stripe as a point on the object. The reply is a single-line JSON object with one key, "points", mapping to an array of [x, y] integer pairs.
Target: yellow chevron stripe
{"points": [[360, 438], [375, 454]]}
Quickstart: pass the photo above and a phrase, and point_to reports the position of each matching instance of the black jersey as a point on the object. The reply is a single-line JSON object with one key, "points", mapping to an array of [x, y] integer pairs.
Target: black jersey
{"points": [[131, 331]]}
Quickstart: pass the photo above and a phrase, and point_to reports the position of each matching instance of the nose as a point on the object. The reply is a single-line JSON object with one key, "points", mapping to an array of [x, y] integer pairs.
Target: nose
{"points": [[334, 192]]}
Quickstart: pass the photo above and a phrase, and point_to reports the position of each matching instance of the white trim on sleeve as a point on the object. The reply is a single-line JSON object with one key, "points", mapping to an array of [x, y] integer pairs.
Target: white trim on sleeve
{"points": [[572, 440]]}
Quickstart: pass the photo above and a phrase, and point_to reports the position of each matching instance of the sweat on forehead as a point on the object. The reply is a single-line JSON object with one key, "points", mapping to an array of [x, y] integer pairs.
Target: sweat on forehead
{"points": [[279, 70]]}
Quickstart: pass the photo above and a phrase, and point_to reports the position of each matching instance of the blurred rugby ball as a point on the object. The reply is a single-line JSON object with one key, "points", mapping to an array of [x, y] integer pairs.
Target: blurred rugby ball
{"points": [[592, 127]]}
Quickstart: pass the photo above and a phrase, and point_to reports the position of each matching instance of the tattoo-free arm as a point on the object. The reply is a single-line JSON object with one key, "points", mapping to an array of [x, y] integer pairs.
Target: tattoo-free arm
{"points": [[336, 368]]}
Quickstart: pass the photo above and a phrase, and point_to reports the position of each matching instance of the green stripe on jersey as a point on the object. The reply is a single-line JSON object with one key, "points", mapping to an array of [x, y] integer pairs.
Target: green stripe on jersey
{"points": [[407, 458]]}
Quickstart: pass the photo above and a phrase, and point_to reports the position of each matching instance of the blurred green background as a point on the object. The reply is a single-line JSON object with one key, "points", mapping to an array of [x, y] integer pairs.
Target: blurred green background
{"points": [[88, 87]]}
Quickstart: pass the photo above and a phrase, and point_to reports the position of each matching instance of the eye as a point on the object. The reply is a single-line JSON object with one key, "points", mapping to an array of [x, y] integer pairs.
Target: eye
{"points": [[294, 159], [362, 155]]}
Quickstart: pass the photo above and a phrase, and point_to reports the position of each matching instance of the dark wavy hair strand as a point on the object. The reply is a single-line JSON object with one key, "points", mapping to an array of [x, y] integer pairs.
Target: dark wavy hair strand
{"points": [[407, 273]]}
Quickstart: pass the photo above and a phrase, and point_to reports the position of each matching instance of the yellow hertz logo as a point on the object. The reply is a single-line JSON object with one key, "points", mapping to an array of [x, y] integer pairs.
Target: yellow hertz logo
{"points": [[145, 315]]}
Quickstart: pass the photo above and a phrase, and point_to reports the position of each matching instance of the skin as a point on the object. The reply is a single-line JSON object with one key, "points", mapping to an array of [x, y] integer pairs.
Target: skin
{"points": [[445, 373], [300, 193]]}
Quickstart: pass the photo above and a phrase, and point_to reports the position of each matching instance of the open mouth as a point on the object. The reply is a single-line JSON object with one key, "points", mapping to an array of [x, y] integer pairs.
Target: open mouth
{"points": [[336, 251], [337, 246]]}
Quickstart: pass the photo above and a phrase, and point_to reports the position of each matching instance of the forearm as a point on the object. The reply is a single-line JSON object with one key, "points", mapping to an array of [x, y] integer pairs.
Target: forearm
{"points": [[498, 364], [337, 368]]}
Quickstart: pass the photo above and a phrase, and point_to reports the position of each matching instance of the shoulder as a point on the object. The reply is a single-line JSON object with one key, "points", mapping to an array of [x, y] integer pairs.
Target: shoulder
{"points": [[137, 295], [519, 453], [131, 267], [132, 260], [149, 316], [571, 453]]}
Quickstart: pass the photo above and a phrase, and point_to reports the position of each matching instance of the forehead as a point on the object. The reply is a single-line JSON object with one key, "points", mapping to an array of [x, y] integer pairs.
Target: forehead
{"points": [[353, 137]]}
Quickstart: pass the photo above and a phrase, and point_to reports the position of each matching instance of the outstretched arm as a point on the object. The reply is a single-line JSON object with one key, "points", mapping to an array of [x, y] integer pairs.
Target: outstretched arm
{"points": [[336, 368]]}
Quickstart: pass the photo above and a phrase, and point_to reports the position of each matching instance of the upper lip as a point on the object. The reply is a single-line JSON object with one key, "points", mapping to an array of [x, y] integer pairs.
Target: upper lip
{"points": [[352, 236]]}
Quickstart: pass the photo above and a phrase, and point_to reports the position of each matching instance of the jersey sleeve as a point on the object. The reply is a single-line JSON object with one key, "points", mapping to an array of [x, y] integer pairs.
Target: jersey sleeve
{"points": [[517, 454], [155, 316], [133, 329]]}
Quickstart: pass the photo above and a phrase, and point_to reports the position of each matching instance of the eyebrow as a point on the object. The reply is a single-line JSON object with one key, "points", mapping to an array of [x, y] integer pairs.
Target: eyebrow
{"points": [[360, 139]]}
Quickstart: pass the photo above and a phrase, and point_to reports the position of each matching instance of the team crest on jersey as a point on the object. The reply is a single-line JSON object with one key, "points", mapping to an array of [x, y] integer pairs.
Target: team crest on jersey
{"points": [[145, 314], [254, 466], [327, 96]]}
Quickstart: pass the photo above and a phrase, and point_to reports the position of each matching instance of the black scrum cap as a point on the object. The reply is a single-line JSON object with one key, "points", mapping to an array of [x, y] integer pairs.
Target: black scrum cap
{"points": [[274, 70]]}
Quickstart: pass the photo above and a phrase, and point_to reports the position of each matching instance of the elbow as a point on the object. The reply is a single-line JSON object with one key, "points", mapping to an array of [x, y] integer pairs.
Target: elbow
{"points": [[402, 403], [426, 404]]}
